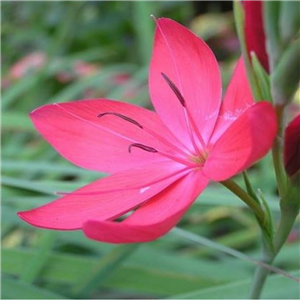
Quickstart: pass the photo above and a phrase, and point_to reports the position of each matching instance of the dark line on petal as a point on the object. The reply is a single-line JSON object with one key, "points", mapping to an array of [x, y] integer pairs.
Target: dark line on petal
{"points": [[143, 147], [174, 89], [122, 117]]}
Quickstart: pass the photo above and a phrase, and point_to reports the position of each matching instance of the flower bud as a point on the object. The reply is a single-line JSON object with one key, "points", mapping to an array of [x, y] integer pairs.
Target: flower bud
{"points": [[292, 147], [254, 31]]}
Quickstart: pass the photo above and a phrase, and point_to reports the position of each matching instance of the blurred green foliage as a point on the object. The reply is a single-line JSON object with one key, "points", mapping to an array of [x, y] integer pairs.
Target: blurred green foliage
{"points": [[63, 51]]}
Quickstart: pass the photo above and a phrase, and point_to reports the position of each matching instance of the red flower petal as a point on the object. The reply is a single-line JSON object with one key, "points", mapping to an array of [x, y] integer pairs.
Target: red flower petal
{"points": [[245, 141], [238, 98], [292, 147], [254, 31], [101, 144], [105, 199], [153, 219], [189, 63]]}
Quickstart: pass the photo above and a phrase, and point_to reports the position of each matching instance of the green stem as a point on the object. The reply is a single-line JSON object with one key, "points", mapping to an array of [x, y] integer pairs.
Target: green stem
{"points": [[261, 273], [144, 26], [277, 152], [288, 216], [270, 249], [249, 187], [245, 197], [62, 38], [289, 211], [41, 257]]}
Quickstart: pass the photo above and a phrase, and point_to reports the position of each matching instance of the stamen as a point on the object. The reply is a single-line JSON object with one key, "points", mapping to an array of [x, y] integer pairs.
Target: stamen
{"points": [[122, 117], [148, 130], [143, 147], [174, 89], [187, 114], [162, 153]]}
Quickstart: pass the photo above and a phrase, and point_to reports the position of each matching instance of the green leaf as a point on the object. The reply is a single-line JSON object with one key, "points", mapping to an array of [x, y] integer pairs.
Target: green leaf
{"points": [[13, 120], [197, 239], [144, 27], [286, 75], [38, 261], [101, 270], [289, 22], [73, 90], [148, 270], [277, 287], [45, 187], [271, 10], [262, 78], [14, 289], [211, 196], [39, 166]]}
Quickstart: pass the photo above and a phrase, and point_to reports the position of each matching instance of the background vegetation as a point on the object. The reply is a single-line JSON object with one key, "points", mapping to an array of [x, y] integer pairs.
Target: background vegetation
{"points": [[64, 51]]}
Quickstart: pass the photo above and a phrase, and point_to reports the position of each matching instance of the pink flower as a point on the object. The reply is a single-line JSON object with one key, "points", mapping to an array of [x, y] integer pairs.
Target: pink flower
{"points": [[292, 147], [30, 62], [254, 31], [160, 162]]}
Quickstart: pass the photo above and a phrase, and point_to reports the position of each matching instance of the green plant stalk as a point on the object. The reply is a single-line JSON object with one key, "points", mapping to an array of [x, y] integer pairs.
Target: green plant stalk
{"points": [[277, 152], [271, 247], [289, 206], [269, 254], [63, 37], [262, 217], [271, 16], [144, 28], [246, 198], [261, 273], [38, 262], [288, 203], [105, 267], [289, 212], [249, 187], [285, 77]]}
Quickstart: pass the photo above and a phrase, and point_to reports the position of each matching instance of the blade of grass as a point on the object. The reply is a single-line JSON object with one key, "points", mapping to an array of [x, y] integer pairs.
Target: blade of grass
{"points": [[209, 243], [101, 270], [43, 186], [13, 120], [40, 259], [17, 89], [278, 287], [101, 78], [211, 196], [144, 27], [44, 167], [14, 289], [69, 269]]}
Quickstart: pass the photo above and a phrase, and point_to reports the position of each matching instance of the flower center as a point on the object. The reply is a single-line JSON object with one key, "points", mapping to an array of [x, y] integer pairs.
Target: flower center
{"points": [[199, 160]]}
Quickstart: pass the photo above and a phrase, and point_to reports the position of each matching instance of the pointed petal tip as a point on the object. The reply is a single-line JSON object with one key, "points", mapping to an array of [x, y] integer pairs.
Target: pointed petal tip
{"points": [[20, 214], [26, 216], [191, 65], [34, 218], [33, 113]]}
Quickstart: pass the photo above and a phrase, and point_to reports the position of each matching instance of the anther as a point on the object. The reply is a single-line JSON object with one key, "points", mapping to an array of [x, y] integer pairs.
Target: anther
{"points": [[122, 117], [143, 147], [174, 89]]}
